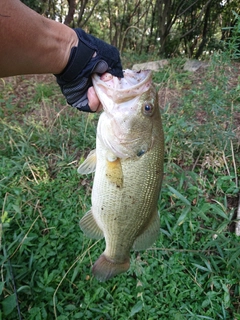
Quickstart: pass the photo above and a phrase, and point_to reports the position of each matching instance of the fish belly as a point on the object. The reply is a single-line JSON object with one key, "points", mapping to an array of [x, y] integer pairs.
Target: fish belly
{"points": [[125, 212]]}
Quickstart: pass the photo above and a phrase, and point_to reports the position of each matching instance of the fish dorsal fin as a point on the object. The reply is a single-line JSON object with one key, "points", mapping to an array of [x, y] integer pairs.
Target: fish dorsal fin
{"points": [[89, 165], [114, 171], [149, 234], [90, 227]]}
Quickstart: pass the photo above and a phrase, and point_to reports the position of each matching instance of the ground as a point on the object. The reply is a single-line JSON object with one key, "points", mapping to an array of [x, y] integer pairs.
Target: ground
{"points": [[192, 271]]}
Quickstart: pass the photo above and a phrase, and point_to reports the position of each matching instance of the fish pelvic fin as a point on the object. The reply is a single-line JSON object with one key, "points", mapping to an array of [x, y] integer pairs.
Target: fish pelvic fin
{"points": [[89, 165], [104, 269], [149, 235], [90, 227], [114, 172]]}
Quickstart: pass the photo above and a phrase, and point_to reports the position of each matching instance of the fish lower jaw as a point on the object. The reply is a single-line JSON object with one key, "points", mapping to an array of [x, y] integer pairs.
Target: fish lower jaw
{"points": [[105, 268]]}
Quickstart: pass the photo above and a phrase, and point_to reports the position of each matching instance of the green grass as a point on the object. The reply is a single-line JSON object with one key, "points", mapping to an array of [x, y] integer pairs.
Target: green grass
{"points": [[192, 272]]}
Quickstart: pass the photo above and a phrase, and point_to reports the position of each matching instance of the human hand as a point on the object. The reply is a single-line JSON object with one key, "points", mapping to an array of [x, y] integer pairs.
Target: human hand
{"points": [[93, 101], [92, 55]]}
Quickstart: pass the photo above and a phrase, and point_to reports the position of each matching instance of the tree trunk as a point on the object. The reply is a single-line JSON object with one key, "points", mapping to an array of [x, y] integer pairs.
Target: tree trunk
{"points": [[204, 33], [71, 11]]}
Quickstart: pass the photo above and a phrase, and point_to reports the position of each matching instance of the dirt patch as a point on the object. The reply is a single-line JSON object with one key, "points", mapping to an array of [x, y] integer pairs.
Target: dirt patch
{"points": [[168, 98], [21, 90], [172, 97]]}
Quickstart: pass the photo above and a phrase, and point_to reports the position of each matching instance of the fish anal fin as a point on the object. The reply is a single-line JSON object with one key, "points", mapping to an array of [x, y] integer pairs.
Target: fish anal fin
{"points": [[104, 269], [89, 226], [89, 165], [114, 172], [149, 235]]}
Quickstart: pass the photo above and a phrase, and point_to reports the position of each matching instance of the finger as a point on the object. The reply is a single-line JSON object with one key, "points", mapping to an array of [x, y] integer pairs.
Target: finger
{"points": [[106, 77], [100, 108], [93, 100]]}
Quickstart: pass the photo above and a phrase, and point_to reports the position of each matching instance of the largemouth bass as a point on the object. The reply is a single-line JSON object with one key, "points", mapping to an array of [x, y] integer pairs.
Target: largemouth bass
{"points": [[128, 165]]}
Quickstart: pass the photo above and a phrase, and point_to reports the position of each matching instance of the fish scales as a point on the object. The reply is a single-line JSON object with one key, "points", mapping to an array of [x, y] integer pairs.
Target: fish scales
{"points": [[128, 175], [122, 200]]}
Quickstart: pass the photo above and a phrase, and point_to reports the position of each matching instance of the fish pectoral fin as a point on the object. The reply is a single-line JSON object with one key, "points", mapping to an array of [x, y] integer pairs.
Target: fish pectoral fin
{"points": [[114, 172], [149, 234], [89, 165], [89, 226]]}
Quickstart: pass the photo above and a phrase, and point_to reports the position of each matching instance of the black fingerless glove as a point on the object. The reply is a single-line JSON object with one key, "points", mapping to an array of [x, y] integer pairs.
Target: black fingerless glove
{"points": [[76, 77]]}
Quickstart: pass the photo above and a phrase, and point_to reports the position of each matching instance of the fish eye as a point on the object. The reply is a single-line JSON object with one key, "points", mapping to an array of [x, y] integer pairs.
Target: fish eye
{"points": [[147, 109]]}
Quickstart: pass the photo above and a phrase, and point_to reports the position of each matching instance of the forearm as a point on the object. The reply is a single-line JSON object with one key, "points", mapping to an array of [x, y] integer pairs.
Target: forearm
{"points": [[31, 43]]}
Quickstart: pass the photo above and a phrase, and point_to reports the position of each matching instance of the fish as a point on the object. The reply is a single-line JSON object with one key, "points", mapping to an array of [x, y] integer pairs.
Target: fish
{"points": [[128, 166]]}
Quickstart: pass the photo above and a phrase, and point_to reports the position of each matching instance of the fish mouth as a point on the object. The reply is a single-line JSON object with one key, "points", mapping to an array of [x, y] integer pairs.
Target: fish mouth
{"points": [[121, 127], [121, 90]]}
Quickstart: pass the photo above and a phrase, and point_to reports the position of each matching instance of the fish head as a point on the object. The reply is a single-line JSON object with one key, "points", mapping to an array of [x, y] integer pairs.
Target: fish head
{"points": [[130, 112]]}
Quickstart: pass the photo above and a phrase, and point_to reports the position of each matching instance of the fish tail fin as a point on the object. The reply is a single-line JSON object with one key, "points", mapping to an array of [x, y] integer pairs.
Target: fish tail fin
{"points": [[104, 269]]}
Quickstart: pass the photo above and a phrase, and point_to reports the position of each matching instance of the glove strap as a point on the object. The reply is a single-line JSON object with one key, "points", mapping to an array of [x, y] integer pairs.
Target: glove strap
{"points": [[79, 58]]}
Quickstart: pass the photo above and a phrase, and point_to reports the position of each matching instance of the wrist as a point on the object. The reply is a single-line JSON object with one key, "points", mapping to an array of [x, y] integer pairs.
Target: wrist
{"points": [[78, 59], [68, 42]]}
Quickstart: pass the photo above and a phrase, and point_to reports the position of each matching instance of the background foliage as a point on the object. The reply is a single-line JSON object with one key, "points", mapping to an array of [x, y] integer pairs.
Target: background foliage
{"points": [[169, 28], [192, 272]]}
